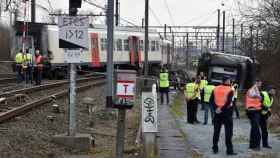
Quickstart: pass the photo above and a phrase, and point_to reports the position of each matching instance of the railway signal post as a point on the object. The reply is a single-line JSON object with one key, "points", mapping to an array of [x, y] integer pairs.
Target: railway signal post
{"points": [[73, 37]]}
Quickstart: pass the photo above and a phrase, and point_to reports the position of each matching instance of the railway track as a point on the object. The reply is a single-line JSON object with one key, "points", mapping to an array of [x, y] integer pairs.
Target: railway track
{"points": [[18, 102]]}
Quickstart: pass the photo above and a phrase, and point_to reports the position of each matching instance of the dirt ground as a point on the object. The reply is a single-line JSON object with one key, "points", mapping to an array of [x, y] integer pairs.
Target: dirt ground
{"points": [[30, 135]]}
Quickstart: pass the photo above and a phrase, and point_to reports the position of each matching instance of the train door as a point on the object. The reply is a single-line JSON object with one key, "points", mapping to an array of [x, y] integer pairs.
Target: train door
{"points": [[95, 59], [134, 51]]}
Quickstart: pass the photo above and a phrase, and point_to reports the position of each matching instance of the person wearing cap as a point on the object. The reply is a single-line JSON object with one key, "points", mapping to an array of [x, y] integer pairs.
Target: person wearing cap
{"points": [[267, 101], [221, 98], [253, 110]]}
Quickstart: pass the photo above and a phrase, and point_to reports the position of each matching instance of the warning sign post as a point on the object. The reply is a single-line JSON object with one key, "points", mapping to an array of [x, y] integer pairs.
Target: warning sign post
{"points": [[124, 89]]}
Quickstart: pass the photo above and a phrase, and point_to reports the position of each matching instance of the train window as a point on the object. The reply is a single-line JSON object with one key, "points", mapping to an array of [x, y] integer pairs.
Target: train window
{"points": [[125, 44], [119, 45], [103, 44], [153, 46], [141, 45]]}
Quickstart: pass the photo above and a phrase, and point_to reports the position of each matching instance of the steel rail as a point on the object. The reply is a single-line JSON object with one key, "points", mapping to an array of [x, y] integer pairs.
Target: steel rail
{"points": [[37, 103]]}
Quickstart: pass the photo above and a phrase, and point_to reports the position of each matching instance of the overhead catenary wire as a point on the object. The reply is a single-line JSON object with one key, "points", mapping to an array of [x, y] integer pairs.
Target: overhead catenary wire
{"points": [[104, 9], [155, 16]]}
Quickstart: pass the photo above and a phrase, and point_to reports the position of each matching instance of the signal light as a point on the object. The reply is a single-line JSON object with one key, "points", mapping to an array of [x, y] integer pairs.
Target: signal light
{"points": [[75, 3]]}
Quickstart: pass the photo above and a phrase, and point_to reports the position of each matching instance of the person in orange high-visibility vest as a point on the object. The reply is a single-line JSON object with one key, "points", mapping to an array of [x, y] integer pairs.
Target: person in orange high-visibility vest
{"points": [[221, 98], [253, 102], [38, 67]]}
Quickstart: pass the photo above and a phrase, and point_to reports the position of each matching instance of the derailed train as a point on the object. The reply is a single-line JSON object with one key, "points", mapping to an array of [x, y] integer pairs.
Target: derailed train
{"points": [[128, 48], [241, 69]]}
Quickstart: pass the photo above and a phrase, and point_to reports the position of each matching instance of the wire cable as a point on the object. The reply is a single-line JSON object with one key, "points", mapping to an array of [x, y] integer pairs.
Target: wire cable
{"points": [[155, 16]]}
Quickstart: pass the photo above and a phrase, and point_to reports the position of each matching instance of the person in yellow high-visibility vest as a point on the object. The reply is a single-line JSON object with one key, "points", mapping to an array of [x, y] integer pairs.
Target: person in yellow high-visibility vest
{"points": [[267, 101], [164, 85], [205, 98], [191, 94], [19, 61], [28, 61], [203, 82]]}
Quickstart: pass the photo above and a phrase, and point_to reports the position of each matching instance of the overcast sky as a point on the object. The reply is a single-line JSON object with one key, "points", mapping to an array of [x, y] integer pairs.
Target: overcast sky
{"points": [[183, 12]]}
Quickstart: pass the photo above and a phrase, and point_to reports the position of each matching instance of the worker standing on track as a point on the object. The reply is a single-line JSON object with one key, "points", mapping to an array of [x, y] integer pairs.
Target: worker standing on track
{"points": [[221, 98], [235, 97], [38, 67], [191, 91], [205, 97], [29, 67], [203, 82], [164, 85], [19, 62], [253, 109], [267, 101]]}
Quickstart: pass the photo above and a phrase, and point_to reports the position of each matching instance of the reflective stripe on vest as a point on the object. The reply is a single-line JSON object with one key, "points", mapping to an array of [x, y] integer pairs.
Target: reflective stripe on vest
{"points": [[267, 102], [202, 84], [163, 80], [221, 94], [252, 102], [19, 58], [208, 89], [190, 90], [28, 58]]}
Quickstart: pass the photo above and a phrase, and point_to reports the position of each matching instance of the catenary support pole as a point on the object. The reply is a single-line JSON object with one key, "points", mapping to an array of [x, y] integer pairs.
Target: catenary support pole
{"points": [[146, 71], [233, 36], [224, 29], [218, 31], [33, 11]]}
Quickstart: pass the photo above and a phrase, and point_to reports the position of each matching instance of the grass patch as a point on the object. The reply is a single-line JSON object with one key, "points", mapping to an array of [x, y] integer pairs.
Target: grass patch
{"points": [[176, 108]]}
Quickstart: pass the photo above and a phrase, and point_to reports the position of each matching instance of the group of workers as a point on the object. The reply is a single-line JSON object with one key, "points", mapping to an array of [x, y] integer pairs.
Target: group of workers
{"points": [[221, 100], [29, 67]]}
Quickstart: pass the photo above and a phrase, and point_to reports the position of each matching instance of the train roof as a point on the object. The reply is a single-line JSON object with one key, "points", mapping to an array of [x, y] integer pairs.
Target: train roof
{"points": [[219, 58]]}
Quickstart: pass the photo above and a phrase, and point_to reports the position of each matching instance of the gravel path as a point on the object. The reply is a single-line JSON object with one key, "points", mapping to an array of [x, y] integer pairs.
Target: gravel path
{"points": [[199, 136]]}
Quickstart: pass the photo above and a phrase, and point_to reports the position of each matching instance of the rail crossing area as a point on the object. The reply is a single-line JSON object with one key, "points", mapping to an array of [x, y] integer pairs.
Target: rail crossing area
{"points": [[80, 80]]}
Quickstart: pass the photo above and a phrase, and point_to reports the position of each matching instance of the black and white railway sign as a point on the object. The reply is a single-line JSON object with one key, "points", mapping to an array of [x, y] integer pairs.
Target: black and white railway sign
{"points": [[73, 32]]}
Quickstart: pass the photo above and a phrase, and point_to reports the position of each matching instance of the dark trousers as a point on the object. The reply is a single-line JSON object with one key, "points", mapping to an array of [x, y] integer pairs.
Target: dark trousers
{"points": [[196, 109], [255, 135], [38, 76], [235, 108], [192, 111], [207, 106], [19, 75], [226, 120], [164, 91], [263, 125], [28, 74]]}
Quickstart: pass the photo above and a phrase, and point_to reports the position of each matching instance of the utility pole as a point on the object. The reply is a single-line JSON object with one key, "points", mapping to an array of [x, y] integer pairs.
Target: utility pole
{"points": [[251, 42], [117, 12], [146, 37], [33, 11], [72, 87], [173, 48], [224, 25], [201, 41], [165, 27], [233, 36], [241, 36], [187, 52], [218, 31], [257, 41]]}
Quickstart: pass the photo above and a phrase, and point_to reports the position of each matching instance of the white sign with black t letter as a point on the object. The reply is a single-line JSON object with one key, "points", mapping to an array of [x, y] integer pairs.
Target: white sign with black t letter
{"points": [[149, 112]]}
